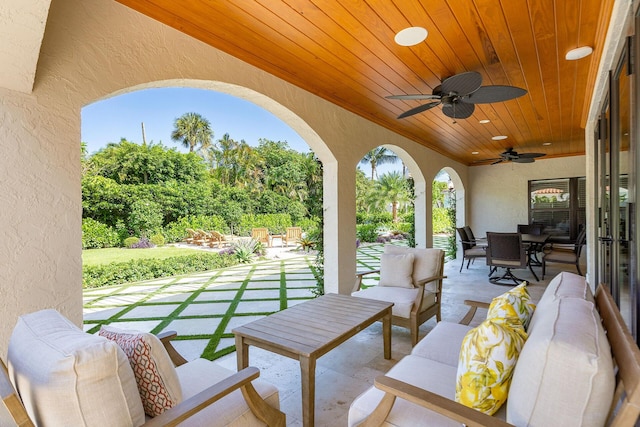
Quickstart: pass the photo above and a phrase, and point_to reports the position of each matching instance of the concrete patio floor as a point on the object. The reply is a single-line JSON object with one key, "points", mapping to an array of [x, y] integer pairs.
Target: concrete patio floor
{"points": [[203, 308]]}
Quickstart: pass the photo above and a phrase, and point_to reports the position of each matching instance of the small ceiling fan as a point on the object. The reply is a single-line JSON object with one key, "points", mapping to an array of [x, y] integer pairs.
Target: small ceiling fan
{"points": [[459, 93], [509, 155]]}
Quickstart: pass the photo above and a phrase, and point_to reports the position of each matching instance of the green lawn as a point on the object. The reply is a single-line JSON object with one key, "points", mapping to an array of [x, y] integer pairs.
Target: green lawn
{"points": [[106, 256]]}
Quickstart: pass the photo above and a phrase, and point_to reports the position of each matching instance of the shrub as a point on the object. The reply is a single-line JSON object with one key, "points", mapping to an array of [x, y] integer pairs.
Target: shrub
{"points": [[130, 241], [308, 223], [145, 217], [244, 250], [401, 228], [157, 239], [94, 276], [441, 221], [143, 243], [97, 235], [367, 232]]}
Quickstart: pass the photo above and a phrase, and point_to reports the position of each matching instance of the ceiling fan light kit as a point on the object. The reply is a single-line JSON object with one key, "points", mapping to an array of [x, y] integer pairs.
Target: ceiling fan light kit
{"points": [[458, 95], [510, 155]]}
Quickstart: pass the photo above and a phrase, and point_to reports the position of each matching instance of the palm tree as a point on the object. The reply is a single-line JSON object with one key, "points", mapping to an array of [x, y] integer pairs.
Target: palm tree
{"points": [[392, 187], [378, 156], [192, 129]]}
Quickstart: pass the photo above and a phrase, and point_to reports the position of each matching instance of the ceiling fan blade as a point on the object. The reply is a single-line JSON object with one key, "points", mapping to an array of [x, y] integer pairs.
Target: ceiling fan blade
{"points": [[458, 110], [418, 109], [413, 96], [462, 84], [490, 94], [531, 155], [498, 161], [524, 160]]}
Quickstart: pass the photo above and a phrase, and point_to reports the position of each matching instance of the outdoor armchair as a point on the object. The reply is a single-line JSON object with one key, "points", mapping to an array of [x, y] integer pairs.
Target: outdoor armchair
{"points": [[261, 235], [292, 235], [411, 278], [59, 375]]}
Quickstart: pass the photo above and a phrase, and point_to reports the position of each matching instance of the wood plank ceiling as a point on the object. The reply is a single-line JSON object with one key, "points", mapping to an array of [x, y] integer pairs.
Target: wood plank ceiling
{"points": [[344, 52]]}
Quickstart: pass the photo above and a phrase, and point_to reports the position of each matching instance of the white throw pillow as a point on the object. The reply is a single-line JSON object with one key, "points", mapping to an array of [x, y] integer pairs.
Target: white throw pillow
{"points": [[396, 270]]}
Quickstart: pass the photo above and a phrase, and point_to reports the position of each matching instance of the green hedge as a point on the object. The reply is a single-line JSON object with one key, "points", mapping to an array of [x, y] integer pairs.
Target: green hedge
{"points": [[276, 223], [95, 276], [367, 232], [441, 221], [96, 235]]}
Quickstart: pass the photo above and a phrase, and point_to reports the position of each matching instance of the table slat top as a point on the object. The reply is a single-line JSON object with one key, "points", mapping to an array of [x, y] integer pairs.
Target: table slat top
{"points": [[315, 326]]}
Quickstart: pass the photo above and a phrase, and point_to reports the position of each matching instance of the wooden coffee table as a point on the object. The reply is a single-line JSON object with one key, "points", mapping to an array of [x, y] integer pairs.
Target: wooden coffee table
{"points": [[308, 330]]}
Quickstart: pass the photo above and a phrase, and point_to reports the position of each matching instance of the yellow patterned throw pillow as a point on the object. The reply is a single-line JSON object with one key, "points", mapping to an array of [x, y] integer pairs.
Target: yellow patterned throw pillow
{"points": [[520, 301], [488, 356]]}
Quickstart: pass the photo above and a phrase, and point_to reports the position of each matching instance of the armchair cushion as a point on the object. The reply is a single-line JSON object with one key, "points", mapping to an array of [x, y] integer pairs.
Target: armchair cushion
{"points": [[402, 298], [426, 261], [230, 410], [63, 374], [488, 356], [396, 270], [155, 374]]}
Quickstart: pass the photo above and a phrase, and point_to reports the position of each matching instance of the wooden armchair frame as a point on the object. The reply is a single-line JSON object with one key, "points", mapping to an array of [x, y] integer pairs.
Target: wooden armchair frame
{"points": [[261, 235], [624, 409], [417, 317], [292, 235], [179, 413]]}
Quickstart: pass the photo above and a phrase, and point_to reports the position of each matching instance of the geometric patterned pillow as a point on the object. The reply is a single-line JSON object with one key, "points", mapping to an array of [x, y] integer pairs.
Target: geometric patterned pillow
{"points": [[488, 356], [156, 377], [519, 299]]}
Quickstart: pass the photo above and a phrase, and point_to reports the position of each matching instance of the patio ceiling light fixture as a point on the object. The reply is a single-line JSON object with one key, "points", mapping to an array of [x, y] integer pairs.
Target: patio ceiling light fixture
{"points": [[578, 53], [499, 137], [411, 36]]}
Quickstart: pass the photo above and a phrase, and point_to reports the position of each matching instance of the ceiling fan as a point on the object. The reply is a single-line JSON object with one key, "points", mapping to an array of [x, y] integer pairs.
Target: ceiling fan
{"points": [[459, 93], [509, 155]]}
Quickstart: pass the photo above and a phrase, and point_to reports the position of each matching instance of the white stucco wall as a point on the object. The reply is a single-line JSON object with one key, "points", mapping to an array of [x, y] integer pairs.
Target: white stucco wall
{"points": [[95, 49], [499, 193]]}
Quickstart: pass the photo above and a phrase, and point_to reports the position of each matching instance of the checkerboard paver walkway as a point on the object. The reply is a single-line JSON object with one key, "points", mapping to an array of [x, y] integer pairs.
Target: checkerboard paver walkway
{"points": [[203, 308]]}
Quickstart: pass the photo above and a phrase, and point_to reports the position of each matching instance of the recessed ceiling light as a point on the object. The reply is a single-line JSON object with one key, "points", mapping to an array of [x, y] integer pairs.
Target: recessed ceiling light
{"points": [[475, 152], [411, 36], [484, 121], [499, 137], [546, 143], [578, 53]]}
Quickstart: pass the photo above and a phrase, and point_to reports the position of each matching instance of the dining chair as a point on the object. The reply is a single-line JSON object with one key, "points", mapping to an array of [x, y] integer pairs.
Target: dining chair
{"points": [[470, 251], [505, 250], [566, 256]]}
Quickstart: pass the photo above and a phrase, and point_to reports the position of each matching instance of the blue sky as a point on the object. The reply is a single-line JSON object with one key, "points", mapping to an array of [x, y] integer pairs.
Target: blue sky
{"points": [[121, 117]]}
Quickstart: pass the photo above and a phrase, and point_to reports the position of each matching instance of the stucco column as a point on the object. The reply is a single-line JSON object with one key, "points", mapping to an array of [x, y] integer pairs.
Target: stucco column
{"points": [[339, 227], [423, 214]]}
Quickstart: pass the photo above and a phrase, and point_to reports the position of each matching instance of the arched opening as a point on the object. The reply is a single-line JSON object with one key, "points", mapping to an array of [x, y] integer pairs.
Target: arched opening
{"points": [[267, 149]]}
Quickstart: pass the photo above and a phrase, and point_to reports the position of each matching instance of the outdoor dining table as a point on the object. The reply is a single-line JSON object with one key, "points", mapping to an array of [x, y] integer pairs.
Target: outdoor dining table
{"points": [[534, 242]]}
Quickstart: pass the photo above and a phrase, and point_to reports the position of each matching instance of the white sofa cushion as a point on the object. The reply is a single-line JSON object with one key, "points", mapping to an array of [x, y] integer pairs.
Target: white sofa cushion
{"points": [[443, 343], [231, 410], [564, 375], [563, 285], [402, 298], [423, 373], [64, 375]]}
